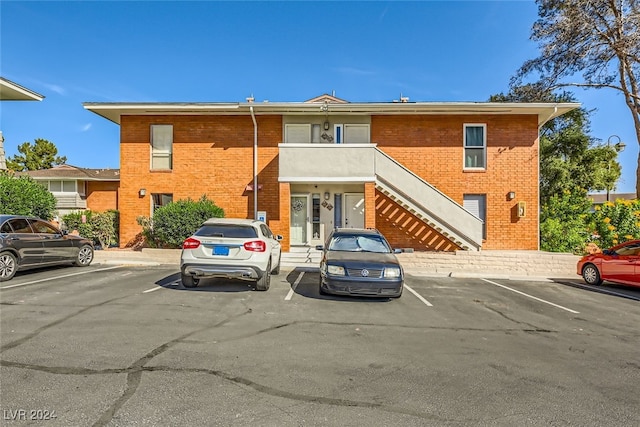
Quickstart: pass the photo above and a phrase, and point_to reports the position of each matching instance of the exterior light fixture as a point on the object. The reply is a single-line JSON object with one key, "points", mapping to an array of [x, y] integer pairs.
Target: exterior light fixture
{"points": [[326, 195], [142, 192], [511, 195]]}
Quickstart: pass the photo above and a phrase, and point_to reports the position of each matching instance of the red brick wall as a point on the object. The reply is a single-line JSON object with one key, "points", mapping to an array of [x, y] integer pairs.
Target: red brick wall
{"points": [[405, 230], [102, 195], [211, 156], [432, 147]]}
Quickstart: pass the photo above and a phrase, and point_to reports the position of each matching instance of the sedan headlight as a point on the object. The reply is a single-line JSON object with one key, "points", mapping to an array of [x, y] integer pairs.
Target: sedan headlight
{"points": [[336, 270], [392, 272]]}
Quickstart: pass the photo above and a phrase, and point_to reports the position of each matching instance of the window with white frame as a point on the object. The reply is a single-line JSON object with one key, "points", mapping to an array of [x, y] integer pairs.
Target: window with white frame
{"points": [[356, 133], [161, 146], [476, 204], [475, 146]]}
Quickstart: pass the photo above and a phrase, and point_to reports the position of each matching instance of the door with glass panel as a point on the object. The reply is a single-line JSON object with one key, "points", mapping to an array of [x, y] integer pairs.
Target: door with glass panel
{"points": [[299, 219], [354, 210]]}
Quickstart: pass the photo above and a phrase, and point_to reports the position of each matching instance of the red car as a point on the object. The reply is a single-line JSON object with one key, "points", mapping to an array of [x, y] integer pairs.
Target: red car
{"points": [[620, 264]]}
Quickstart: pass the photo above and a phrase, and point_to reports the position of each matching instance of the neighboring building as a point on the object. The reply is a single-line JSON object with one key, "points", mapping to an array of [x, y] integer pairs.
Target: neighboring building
{"points": [[10, 91], [601, 198], [422, 173], [78, 189]]}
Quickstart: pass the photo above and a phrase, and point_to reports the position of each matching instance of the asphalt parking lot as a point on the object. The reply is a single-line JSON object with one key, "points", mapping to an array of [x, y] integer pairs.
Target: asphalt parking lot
{"points": [[119, 346]]}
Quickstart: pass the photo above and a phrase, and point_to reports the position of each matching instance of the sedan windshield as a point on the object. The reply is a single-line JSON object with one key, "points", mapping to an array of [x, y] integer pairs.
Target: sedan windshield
{"points": [[359, 244]]}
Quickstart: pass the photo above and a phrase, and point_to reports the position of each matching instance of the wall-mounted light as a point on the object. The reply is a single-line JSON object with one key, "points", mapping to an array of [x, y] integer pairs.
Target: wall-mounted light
{"points": [[326, 195], [326, 125], [142, 192], [511, 195]]}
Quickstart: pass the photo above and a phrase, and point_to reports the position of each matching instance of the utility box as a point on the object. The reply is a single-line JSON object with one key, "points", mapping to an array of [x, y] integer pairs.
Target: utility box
{"points": [[522, 209]]}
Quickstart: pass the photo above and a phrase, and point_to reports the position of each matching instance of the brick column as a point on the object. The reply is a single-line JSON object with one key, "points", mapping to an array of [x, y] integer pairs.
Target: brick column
{"points": [[284, 225], [370, 205]]}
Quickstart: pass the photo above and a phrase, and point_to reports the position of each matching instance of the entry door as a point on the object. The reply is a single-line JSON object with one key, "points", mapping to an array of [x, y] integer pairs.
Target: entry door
{"points": [[354, 210], [299, 219]]}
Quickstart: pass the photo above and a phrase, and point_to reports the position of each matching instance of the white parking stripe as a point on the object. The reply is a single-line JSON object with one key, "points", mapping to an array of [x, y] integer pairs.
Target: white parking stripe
{"points": [[604, 291], [531, 296], [175, 282], [294, 286], [418, 296], [60, 277]]}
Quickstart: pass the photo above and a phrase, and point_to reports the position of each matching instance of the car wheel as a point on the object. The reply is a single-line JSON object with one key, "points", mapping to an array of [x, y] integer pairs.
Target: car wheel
{"points": [[265, 281], [188, 281], [8, 266], [276, 270], [85, 256], [591, 275]]}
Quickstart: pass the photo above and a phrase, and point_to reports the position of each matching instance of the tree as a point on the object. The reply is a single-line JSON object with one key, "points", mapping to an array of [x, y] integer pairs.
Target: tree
{"points": [[570, 159], [599, 39], [42, 154], [24, 196]]}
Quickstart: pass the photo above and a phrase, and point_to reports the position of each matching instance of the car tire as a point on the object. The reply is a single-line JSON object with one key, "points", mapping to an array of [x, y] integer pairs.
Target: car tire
{"points": [[8, 266], [264, 282], [188, 281], [276, 270], [591, 275], [85, 256]]}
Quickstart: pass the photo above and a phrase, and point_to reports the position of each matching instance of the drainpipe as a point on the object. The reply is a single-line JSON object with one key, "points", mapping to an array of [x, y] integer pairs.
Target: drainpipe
{"points": [[255, 163]]}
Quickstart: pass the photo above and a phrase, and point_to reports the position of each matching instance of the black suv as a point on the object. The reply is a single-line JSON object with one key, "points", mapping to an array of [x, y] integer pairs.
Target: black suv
{"points": [[360, 262]]}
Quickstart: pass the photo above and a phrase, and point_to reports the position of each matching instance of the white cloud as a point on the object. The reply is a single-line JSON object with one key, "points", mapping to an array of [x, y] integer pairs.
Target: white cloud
{"points": [[86, 127]]}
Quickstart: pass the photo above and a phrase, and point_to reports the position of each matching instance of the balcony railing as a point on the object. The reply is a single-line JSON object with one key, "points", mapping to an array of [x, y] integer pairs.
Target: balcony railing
{"points": [[70, 201]]}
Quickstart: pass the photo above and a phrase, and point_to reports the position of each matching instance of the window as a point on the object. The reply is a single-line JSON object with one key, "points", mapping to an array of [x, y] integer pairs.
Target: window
{"points": [[43, 228], [315, 215], [337, 134], [476, 204], [62, 186], [297, 133], [337, 211], [161, 146], [355, 134], [160, 200], [20, 226], [475, 146]]}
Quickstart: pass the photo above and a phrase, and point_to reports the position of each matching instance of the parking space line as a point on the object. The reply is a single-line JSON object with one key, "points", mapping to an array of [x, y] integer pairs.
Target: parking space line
{"points": [[531, 296], [175, 282], [294, 286], [59, 277], [604, 291], [420, 297]]}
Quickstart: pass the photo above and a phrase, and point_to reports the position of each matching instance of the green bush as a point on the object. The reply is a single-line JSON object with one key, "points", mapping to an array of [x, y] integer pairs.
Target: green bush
{"points": [[24, 196], [616, 222], [101, 227], [563, 222], [173, 223]]}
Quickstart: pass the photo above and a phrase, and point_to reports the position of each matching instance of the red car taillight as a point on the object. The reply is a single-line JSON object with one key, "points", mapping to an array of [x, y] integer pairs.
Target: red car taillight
{"points": [[191, 243], [256, 246]]}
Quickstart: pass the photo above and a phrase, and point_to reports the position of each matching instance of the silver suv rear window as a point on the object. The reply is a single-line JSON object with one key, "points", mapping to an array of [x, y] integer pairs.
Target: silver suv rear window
{"points": [[231, 231]]}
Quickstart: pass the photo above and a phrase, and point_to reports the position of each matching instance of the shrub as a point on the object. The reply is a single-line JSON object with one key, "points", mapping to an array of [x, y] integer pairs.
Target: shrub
{"points": [[101, 227], [616, 222], [24, 196], [173, 223], [563, 222]]}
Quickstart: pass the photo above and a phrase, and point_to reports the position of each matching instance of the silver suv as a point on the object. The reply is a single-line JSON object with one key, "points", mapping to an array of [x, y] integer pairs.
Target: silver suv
{"points": [[244, 249]]}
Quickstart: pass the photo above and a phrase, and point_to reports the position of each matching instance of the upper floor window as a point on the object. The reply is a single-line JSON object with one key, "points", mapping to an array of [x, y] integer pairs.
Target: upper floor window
{"points": [[297, 133], [161, 146], [475, 146]]}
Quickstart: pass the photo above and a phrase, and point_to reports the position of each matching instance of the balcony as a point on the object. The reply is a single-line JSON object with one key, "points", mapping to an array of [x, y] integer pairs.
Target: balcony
{"points": [[70, 201], [317, 162]]}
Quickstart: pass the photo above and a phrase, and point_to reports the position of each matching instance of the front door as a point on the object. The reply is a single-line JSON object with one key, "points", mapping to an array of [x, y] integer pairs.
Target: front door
{"points": [[299, 219], [354, 210]]}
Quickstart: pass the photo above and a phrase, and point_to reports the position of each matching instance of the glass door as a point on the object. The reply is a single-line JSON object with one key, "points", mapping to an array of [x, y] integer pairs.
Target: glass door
{"points": [[299, 219]]}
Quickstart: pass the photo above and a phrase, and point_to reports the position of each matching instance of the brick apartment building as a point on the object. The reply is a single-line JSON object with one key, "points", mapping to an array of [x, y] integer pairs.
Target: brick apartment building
{"points": [[430, 176]]}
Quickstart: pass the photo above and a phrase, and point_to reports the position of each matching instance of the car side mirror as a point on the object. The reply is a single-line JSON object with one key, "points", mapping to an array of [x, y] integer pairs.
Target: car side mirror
{"points": [[279, 237], [319, 248], [607, 252], [64, 232]]}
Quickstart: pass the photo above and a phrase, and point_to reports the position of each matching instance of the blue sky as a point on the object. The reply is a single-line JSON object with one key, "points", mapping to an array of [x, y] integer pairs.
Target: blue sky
{"points": [[214, 51]]}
